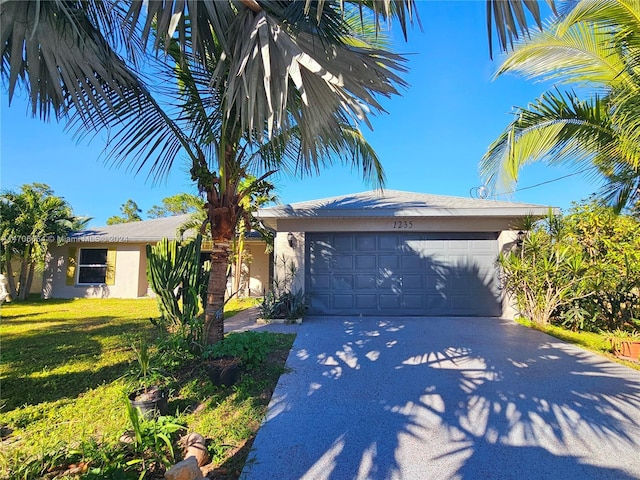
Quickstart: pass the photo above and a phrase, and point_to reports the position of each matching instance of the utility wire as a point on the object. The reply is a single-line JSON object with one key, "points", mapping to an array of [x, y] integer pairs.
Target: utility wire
{"points": [[546, 182]]}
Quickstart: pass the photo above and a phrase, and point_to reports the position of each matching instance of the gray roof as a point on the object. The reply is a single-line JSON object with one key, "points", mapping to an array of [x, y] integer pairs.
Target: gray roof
{"points": [[141, 232], [133, 232], [395, 203]]}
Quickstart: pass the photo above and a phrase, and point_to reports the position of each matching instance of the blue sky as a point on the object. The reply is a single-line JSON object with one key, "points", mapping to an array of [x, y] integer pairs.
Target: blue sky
{"points": [[430, 141]]}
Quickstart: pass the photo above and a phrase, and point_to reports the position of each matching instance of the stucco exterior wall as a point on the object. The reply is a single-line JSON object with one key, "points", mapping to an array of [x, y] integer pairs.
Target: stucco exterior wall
{"points": [[286, 255], [258, 269], [418, 224], [127, 273]]}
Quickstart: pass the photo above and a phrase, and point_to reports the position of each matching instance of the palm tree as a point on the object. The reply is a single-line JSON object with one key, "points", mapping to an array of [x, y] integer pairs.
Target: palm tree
{"points": [[31, 219], [224, 152], [595, 48], [105, 42]]}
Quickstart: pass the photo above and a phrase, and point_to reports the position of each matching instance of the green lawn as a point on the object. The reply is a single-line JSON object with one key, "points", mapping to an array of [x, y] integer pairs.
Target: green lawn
{"points": [[595, 342], [62, 380]]}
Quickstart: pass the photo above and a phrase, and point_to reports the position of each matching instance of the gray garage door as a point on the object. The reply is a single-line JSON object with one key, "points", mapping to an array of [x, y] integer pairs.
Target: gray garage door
{"points": [[402, 274]]}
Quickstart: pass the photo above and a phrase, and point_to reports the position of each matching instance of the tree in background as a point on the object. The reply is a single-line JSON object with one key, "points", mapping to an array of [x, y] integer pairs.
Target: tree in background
{"points": [[30, 219], [594, 47], [130, 211], [179, 204]]}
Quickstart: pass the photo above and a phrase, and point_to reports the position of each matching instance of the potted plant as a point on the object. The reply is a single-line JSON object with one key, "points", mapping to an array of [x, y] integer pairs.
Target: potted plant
{"points": [[148, 386], [626, 344]]}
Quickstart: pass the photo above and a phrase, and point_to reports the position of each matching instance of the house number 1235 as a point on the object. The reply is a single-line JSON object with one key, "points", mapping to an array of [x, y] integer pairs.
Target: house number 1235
{"points": [[403, 224]]}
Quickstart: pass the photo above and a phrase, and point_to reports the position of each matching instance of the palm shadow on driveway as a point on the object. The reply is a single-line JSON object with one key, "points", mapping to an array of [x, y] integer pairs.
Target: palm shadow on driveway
{"points": [[440, 398]]}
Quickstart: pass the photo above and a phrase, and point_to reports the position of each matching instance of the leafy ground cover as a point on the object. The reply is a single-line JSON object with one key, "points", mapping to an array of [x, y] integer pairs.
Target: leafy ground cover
{"points": [[63, 374]]}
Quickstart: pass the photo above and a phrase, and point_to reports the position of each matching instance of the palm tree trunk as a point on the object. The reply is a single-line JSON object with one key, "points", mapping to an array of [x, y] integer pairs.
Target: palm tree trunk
{"points": [[216, 288], [27, 285], [22, 281], [10, 279]]}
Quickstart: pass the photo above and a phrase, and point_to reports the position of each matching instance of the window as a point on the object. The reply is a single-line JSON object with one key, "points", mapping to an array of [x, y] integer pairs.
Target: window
{"points": [[92, 265]]}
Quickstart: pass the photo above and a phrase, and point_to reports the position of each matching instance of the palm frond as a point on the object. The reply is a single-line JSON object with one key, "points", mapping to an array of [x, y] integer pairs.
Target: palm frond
{"points": [[54, 51], [583, 53], [558, 128]]}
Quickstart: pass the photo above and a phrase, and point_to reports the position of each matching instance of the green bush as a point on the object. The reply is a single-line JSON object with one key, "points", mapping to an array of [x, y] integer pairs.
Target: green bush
{"points": [[581, 270], [251, 348]]}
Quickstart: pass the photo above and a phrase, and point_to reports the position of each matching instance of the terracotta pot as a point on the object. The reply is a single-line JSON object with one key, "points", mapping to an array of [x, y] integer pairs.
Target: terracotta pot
{"points": [[223, 371], [629, 349]]}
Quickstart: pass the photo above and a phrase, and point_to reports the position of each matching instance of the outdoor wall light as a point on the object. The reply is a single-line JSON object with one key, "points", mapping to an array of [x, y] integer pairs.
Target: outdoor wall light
{"points": [[291, 238]]}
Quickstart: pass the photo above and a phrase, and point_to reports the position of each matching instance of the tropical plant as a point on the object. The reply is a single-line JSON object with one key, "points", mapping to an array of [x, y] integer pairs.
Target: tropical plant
{"points": [[130, 213], [595, 49], [91, 76], [178, 278], [282, 301], [543, 273], [29, 220], [581, 269], [179, 204]]}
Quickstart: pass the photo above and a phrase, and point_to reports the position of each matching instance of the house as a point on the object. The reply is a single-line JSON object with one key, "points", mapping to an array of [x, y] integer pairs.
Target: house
{"points": [[371, 253], [398, 253], [111, 261]]}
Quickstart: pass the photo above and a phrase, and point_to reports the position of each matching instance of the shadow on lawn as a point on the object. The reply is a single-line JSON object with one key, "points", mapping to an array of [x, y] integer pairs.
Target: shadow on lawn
{"points": [[41, 365], [21, 391]]}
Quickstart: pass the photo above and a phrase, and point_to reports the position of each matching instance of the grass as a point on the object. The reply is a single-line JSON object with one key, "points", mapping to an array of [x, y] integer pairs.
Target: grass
{"points": [[592, 341], [62, 373]]}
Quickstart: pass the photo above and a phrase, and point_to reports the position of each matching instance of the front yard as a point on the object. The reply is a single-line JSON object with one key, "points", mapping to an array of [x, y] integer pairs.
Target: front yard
{"points": [[63, 373]]}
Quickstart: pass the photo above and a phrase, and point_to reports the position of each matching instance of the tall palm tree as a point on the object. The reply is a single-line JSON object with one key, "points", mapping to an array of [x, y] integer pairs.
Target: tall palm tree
{"points": [[594, 48], [224, 152]]}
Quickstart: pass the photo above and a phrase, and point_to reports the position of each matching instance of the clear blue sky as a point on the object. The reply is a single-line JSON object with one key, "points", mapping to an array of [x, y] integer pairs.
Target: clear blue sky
{"points": [[430, 141]]}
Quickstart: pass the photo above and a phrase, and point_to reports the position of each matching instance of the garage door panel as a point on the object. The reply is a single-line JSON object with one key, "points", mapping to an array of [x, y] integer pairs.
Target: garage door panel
{"points": [[365, 262], [321, 282], [389, 262], [402, 273], [411, 263], [369, 302], [389, 243], [366, 282], [366, 242], [343, 243], [343, 263], [389, 302], [343, 301], [413, 302], [390, 282], [342, 282], [412, 282]]}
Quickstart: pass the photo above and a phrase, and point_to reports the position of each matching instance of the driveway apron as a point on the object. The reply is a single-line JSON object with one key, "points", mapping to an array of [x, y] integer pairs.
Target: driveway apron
{"points": [[446, 398]]}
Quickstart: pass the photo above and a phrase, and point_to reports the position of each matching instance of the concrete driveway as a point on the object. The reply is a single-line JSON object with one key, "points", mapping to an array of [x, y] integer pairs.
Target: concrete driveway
{"points": [[446, 398]]}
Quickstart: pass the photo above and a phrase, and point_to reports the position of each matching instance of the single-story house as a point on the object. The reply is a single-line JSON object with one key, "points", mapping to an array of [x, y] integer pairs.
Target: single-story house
{"points": [[111, 261], [398, 253], [371, 253]]}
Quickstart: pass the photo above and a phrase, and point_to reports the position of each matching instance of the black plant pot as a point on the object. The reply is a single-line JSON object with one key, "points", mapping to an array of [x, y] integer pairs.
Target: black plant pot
{"points": [[223, 371], [151, 401]]}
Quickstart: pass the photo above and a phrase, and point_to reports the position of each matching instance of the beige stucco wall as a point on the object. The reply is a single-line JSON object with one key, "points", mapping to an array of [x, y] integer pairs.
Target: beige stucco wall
{"points": [[129, 258], [258, 269], [506, 242], [297, 227]]}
